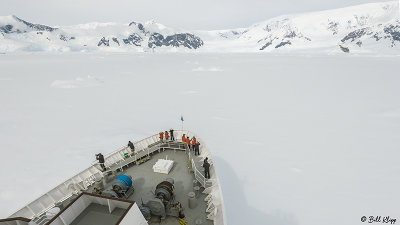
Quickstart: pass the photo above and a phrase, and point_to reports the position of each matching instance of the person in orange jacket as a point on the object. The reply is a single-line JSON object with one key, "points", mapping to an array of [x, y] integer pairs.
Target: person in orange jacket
{"points": [[188, 142], [183, 138], [161, 136], [193, 142], [166, 135]]}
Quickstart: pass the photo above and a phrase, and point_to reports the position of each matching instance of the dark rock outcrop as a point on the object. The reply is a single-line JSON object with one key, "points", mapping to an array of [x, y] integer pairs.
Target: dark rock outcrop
{"points": [[176, 40], [104, 42], [139, 26], [333, 26], [133, 39], [7, 28], [266, 45], [290, 34], [356, 34], [283, 43], [187, 40], [156, 40], [115, 40], [344, 49], [393, 33], [63, 37]]}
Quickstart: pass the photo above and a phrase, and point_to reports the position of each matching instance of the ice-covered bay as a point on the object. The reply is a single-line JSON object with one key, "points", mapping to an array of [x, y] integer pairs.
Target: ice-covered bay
{"points": [[302, 140]]}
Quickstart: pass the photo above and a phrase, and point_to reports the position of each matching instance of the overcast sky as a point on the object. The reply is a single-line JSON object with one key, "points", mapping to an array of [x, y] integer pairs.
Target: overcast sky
{"points": [[189, 14]]}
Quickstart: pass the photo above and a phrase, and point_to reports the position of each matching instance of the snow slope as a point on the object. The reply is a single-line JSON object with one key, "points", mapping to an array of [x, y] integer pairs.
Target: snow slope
{"points": [[304, 140], [370, 28], [319, 31]]}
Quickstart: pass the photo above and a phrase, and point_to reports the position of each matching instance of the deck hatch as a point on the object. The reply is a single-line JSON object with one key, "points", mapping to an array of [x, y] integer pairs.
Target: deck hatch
{"points": [[90, 208]]}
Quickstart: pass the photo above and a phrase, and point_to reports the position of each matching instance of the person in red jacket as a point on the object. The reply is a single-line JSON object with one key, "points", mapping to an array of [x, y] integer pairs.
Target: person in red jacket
{"points": [[161, 136], [183, 138], [193, 142], [188, 142], [166, 135]]}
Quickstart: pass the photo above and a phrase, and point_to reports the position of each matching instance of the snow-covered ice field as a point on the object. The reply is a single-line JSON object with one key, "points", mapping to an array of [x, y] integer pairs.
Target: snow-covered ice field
{"points": [[304, 140]]}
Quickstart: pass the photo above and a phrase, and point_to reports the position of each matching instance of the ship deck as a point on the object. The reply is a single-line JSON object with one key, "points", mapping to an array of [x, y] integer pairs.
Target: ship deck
{"points": [[83, 199], [145, 181]]}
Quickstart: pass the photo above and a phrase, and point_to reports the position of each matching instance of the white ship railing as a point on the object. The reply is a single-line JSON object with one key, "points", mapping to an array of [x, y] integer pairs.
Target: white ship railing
{"points": [[87, 177]]}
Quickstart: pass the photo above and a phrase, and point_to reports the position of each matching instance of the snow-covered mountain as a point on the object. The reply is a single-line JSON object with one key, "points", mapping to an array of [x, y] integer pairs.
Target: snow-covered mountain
{"points": [[373, 27], [20, 35], [368, 28]]}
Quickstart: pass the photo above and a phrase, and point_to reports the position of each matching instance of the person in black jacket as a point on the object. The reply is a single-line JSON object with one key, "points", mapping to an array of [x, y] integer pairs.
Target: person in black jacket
{"points": [[197, 148], [100, 157], [206, 166], [171, 132], [132, 147]]}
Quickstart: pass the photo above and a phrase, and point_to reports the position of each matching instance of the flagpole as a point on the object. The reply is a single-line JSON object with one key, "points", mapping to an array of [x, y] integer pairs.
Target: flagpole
{"points": [[182, 122]]}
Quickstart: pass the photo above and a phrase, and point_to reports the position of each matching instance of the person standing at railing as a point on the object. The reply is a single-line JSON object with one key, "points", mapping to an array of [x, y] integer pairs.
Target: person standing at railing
{"points": [[132, 147], [205, 160], [100, 157], [166, 135], [197, 148], [161, 136], [172, 134], [188, 142], [206, 166], [183, 138], [193, 142]]}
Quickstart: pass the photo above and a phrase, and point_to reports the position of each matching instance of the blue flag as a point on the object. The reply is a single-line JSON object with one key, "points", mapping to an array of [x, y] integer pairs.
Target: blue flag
{"points": [[182, 118]]}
